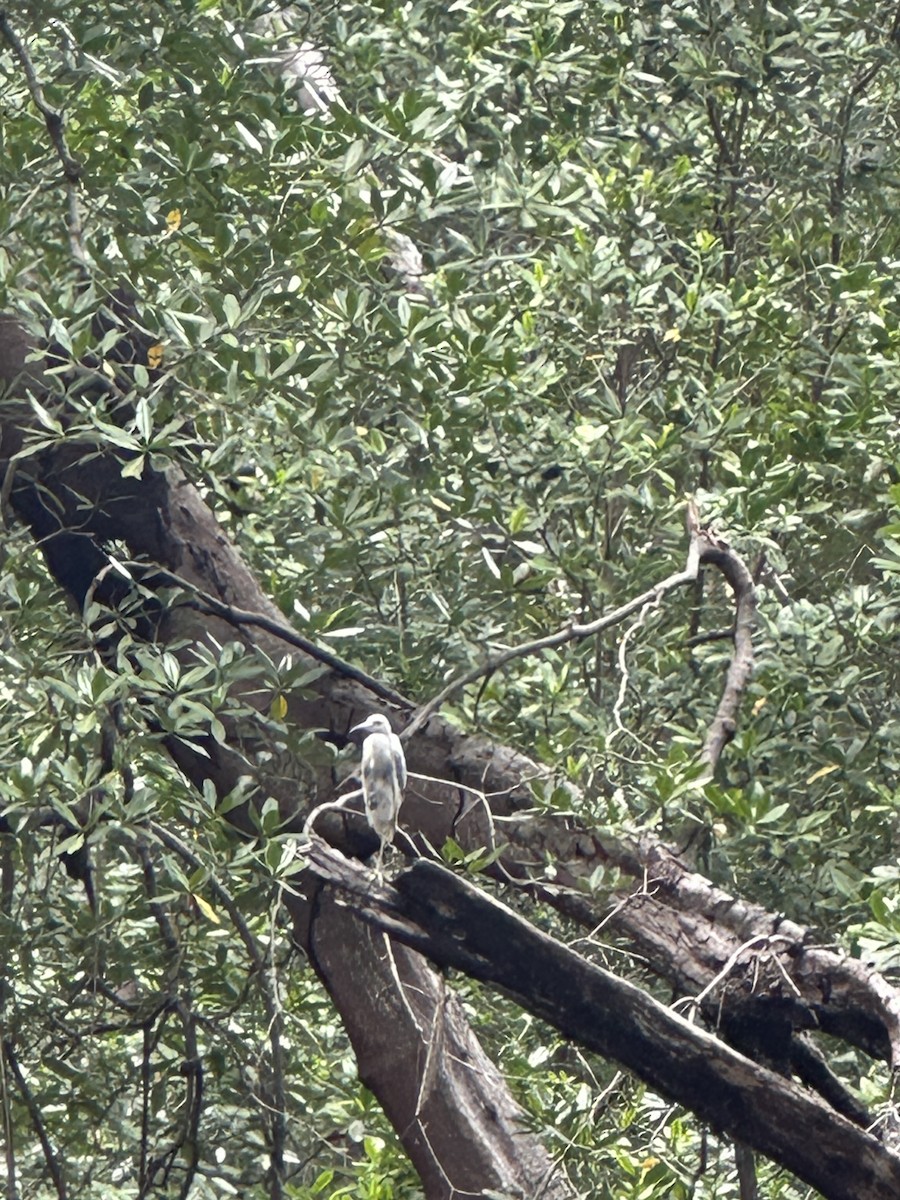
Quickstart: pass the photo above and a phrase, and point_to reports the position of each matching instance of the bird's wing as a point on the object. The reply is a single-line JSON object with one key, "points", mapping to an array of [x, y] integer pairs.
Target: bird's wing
{"points": [[399, 761]]}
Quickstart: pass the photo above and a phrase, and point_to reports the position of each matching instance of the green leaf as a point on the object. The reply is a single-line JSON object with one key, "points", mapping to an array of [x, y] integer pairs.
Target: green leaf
{"points": [[249, 139], [232, 310]]}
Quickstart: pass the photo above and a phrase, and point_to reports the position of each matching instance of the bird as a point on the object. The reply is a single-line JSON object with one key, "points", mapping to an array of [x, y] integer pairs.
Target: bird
{"points": [[383, 777]]}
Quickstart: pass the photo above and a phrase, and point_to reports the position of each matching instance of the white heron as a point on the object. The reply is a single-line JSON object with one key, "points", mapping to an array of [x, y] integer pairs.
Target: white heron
{"points": [[383, 776]]}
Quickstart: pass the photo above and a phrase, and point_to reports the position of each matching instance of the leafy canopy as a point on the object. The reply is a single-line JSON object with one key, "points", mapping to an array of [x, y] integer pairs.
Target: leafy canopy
{"points": [[659, 259]]}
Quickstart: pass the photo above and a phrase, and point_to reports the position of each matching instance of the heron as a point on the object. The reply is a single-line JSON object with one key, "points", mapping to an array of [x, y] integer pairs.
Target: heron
{"points": [[383, 777]]}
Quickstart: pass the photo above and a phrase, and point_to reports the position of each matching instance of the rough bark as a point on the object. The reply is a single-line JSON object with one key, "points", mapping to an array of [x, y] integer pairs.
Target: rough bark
{"points": [[456, 925], [450, 1099]]}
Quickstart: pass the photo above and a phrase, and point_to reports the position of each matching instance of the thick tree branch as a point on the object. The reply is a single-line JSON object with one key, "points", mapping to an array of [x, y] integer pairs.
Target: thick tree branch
{"points": [[451, 1095], [453, 923], [811, 1066]]}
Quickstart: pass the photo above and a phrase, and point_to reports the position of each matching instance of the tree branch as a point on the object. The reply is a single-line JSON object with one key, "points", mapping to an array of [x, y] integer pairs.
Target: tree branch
{"points": [[185, 1140], [456, 925], [205, 603], [264, 971], [55, 127], [53, 1164], [571, 632], [724, 724]]}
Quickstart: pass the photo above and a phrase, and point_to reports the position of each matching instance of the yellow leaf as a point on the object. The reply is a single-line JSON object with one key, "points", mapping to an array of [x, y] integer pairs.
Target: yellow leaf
{"points": [[278, 708], [672, 335], [155, 356], [823, 771], [173, 219], [760, 704], [207, 909]]}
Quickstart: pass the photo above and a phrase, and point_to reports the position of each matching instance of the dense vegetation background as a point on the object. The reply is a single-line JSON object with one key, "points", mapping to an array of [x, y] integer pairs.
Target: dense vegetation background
{"points": [[659, 249]]}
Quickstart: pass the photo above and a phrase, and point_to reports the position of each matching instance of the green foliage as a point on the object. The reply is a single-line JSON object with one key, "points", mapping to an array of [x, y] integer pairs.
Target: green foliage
{"points": [[659, 259]]}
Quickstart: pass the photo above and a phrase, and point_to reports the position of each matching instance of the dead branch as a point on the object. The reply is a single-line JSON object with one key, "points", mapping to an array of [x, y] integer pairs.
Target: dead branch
{"points": [[456, 925], [834, 993], [724, 724], [389, 997]]}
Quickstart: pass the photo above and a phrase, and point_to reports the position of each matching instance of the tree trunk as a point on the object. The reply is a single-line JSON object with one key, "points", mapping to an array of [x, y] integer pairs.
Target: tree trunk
{"points": [[451, 1108]]}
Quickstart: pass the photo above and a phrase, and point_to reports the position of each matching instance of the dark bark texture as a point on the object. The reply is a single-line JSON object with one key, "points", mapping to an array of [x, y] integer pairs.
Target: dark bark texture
{"points": [[457, 925]]}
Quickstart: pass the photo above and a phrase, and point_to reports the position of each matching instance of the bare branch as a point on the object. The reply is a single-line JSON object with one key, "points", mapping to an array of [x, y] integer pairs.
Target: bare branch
{"points": [[203, 602], [723, 726], [704, 548], [571, 632]]}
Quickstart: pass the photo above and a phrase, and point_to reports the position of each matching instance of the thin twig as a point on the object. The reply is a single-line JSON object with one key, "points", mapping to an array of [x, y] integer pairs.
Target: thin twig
{"points": [[571, 632], [53, 120], [9, 1148], [5, 492], [146, 1074], [192, 1070], [277, 1097], [34, 1112], [694, 1002], [478, 797], [205, 603], [434, 1054], [624, 673], [185, 1140]]}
